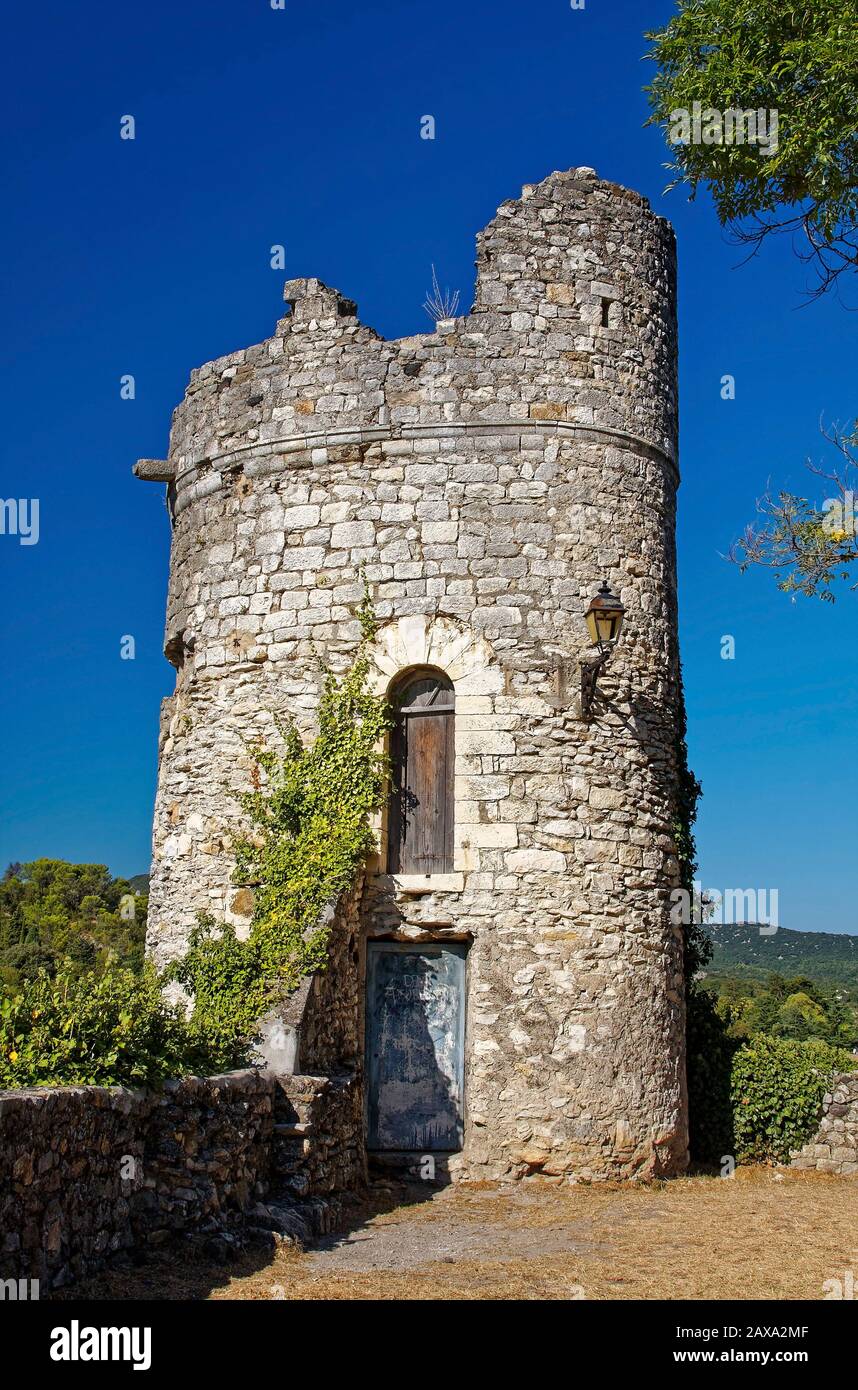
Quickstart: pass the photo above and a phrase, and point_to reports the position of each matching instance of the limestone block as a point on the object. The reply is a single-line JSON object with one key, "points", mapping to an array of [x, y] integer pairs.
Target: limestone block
{"points": [[488, 835], [300, 518], [346, 534], [524, 861]]}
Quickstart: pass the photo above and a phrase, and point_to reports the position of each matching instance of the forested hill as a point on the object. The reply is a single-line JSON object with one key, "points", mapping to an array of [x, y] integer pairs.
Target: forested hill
{"points": [[743, 951], [77, 916]]}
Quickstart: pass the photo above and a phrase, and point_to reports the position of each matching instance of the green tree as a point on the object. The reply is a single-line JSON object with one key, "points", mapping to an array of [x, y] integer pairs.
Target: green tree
{"points": [[51, 910], [772, 56], [798, 1008], [799, 61]]}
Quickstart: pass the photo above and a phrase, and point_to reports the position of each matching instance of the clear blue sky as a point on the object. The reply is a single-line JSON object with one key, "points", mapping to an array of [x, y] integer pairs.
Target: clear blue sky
{"points": [[301, 126]]}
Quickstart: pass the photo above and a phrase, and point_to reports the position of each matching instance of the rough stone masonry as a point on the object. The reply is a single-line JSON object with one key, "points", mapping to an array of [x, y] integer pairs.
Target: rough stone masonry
{"points": [[485, 477]]}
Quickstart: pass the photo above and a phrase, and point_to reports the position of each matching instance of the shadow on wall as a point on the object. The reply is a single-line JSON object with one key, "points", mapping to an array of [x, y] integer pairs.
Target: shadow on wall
{"points": [[415, 1048]]}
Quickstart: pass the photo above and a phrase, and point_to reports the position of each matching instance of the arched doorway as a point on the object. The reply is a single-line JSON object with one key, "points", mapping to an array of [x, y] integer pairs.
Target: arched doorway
{"points": [[422, 752]]}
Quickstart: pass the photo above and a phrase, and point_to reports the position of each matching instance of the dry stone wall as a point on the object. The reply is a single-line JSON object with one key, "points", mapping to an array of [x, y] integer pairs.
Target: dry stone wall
{"points": [[318, 1141], [484, 478], [65, 1206], [89, 1172], [834, 1147]]}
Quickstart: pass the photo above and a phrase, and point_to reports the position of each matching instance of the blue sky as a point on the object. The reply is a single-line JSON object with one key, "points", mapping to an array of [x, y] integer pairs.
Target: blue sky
{"points": [[301, 126]]}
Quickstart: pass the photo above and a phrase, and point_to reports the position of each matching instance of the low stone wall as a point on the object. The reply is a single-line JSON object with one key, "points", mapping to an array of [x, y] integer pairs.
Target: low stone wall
{"points": [[86, 1172], [207, 1154], [834, 1147], [64, 1203], [318, 1135]]}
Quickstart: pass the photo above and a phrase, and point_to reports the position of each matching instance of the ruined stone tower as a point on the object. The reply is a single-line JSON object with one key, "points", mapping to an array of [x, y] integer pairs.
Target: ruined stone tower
{"points": [[486, 477]]}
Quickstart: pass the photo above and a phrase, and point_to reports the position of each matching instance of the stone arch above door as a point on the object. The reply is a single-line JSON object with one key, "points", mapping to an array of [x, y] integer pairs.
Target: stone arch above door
{"points": [[419, 640], [467, 660]]}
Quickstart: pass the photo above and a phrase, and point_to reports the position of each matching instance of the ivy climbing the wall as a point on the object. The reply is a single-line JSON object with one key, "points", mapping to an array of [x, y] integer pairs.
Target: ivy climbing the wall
{"points": [[308, 813], [709, 1052]]}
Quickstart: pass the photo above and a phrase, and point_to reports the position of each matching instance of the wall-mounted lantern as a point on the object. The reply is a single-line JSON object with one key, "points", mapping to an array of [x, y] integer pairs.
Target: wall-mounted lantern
{"points": [[604, 619]]}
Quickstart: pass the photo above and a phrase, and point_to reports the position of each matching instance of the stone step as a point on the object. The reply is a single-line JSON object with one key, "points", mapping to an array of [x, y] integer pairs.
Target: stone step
{"points": [[293, 1131]]}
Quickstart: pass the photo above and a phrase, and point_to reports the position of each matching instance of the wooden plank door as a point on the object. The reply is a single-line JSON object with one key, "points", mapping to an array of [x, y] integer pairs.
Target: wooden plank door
{"points": [[415, 1017], [423, 761]]}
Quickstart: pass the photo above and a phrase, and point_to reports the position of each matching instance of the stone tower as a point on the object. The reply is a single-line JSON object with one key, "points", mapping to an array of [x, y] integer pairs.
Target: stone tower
{"points": [[486, 477]]}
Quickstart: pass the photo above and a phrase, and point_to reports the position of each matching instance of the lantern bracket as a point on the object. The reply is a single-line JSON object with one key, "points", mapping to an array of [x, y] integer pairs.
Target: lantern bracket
{"points": [[590, 671]]}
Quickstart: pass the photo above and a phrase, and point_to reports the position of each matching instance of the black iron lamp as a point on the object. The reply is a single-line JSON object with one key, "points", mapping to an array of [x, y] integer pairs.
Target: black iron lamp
{"points": [[604, 619]]}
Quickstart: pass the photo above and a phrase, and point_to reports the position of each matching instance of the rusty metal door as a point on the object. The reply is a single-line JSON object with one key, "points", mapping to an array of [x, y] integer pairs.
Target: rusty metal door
{"points": [[415, 1030]]}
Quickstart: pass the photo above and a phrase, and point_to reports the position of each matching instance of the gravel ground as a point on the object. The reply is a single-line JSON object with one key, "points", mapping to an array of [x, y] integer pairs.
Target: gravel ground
{"points": [[764, 1234], [432, 1228]]}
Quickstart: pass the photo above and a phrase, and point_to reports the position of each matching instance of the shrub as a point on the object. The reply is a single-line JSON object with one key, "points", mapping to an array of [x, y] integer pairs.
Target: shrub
{"points": [[111, 1027], [777, 1089], [309, 815], [758, 1099]]}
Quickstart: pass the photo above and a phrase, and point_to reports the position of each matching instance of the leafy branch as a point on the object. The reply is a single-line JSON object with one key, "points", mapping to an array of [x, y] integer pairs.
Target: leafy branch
{"points": [[806, 547]]}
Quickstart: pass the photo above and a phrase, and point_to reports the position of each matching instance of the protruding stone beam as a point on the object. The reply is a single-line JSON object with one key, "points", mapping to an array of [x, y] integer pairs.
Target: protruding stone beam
{"points": [[154, 470]]}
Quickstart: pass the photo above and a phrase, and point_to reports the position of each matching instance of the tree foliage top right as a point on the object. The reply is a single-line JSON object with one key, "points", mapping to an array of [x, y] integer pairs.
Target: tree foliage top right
{"points": [[798, 60]]}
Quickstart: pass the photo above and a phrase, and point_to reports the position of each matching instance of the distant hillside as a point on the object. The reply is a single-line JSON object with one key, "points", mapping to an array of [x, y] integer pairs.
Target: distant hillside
{"points": [[741, 950], [139, 883]]}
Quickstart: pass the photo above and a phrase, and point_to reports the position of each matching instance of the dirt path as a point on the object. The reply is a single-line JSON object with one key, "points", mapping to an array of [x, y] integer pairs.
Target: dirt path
{"points": [[762, 1234], [452, 1226]]}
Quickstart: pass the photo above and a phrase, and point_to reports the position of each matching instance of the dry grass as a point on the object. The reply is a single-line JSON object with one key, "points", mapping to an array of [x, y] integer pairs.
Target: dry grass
{"points": [[760, 1235]]}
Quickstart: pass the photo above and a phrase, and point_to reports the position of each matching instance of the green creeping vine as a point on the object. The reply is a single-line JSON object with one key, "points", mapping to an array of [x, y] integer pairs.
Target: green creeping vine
{"points": [[309, 810], [708, 1051]]}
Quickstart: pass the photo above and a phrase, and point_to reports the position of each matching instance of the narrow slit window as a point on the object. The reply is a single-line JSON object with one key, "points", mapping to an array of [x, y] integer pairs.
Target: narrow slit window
{"points": [[606, 312]]}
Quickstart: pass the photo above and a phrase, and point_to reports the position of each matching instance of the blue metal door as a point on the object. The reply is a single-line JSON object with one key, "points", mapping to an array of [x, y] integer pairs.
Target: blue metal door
{"points": [[415, 1028]]}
